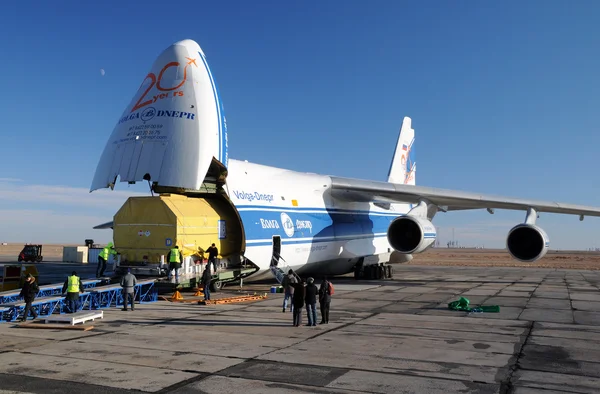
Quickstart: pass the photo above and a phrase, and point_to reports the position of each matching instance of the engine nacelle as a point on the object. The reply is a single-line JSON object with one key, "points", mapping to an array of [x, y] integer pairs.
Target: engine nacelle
{"points": [[527, 242], [411, 234]]}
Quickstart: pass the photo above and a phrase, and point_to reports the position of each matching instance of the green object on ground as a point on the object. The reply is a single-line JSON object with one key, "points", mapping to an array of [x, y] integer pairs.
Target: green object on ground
{"points": [[463, 305]]}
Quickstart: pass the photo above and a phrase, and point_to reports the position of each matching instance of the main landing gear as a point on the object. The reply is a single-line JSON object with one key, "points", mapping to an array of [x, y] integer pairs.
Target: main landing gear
{"points": [[373, 271]]}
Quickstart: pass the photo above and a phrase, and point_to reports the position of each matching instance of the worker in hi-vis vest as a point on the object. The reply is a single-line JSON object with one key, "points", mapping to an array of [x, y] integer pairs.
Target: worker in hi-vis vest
{"points": [[73, 287], [103, 258], [175, 258]]}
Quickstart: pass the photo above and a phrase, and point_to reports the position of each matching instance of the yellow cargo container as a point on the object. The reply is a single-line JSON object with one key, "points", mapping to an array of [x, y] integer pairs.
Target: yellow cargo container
{"points": [[151, 226], [13, 275]]}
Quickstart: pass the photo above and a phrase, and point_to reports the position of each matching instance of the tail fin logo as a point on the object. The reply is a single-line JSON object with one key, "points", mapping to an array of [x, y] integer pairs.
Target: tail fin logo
{"points": [[148, 114], [410, 163], [157, 82]]}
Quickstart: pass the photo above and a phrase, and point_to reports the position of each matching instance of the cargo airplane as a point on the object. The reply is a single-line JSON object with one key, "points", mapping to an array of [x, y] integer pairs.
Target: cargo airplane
{"points": [[173, 135]]}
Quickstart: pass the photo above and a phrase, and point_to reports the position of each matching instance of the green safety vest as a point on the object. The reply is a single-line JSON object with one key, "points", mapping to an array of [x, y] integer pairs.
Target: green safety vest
{"points": [[174, 258], [73, 285], [105, 252]]}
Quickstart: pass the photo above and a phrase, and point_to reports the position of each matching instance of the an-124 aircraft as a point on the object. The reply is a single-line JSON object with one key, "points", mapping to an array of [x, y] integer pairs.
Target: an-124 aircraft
{"points": [[173, 135]]}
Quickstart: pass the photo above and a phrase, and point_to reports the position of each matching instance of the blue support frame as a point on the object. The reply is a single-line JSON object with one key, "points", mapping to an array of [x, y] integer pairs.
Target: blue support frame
{"points": [[10, 297], [43, 307], [85, 300], [5, 313], [105, 297], [146, 292], [94, 298]]}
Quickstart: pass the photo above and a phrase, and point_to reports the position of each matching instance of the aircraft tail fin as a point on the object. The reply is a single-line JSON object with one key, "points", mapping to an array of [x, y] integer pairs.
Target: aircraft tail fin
{"points": [[403, 168]]}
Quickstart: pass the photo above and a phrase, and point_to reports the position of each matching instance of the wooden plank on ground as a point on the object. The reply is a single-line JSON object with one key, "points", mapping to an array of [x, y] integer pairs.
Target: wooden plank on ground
{"points": [[189, 300], [55, 326]]}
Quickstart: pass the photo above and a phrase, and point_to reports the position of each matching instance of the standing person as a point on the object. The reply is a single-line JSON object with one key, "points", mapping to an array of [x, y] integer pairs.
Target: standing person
{"points": [[103, 258], [213, 252], [73, 287], [288, 288], [28, 292], [325, 299], [311, 301], [174, 258], [128, 283], [298, 302], [206, 279]]}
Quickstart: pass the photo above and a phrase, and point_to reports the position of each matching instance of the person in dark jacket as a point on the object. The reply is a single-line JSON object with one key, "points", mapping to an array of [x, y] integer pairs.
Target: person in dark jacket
{"points": [[28, 292], [324, 300], [298, 302], [206, 279], [213, 252], [288, 289], [311, 301]]}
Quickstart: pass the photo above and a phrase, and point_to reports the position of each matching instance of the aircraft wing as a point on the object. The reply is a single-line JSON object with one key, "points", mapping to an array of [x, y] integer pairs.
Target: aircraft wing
{"points": [[104, 226], [447, 200]]}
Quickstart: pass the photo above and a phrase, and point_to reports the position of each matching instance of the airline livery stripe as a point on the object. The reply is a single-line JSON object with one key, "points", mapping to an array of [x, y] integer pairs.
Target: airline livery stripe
{"points": [[315, 210], [308, 239], [216, 97], [311, 241]]}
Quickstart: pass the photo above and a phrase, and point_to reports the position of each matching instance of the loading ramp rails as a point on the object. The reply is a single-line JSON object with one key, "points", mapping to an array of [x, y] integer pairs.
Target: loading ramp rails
{"points": [[220, 278], [99, 297]]}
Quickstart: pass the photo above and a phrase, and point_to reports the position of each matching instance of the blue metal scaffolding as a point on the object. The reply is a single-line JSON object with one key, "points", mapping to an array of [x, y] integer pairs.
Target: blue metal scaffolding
{"points": [[94, 298], [112, 295], [12, 296]]}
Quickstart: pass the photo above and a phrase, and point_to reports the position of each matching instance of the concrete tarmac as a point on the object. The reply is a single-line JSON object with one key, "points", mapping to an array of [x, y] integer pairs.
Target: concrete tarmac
{"points": [[387, 336]]}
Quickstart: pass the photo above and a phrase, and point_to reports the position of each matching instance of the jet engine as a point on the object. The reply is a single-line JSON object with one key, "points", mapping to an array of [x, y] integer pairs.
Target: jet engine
{"points": [[527, 242], [411, 234]]}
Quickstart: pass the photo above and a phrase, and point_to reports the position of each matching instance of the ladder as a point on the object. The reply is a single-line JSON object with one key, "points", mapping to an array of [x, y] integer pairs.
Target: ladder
{"points": [[280, 271]]}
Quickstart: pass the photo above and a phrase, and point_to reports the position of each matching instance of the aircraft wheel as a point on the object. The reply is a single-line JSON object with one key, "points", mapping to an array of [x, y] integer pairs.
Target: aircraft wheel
{"points": [[216, 285]]}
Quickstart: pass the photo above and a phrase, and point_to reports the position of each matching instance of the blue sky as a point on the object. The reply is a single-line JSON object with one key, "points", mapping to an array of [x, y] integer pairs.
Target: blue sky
{"points": [[503, 98]]}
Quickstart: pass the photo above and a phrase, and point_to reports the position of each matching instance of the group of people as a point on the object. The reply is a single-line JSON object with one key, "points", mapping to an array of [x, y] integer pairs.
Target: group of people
{"points": [[72, 288], [175, 259], [301, 293]]}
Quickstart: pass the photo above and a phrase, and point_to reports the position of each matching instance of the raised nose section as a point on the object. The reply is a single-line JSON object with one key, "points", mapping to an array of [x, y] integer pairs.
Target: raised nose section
{"points": [[173, 130]]}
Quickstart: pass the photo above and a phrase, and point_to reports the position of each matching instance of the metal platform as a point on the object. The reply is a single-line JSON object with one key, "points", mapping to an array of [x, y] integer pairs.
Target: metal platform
{"points": [[94, 298], [11, 296], [85, 302], [112, 295], [77, 317], [44, 306], [5, 313]]}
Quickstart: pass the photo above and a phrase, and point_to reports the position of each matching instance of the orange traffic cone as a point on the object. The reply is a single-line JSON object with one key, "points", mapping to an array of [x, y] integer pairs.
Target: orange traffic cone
{"points": [[177, 295], [198, 293]]}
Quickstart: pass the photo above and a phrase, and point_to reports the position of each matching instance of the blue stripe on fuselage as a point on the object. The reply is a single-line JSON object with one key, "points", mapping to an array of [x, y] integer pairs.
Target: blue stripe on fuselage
{"points": [[309, 225]]}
